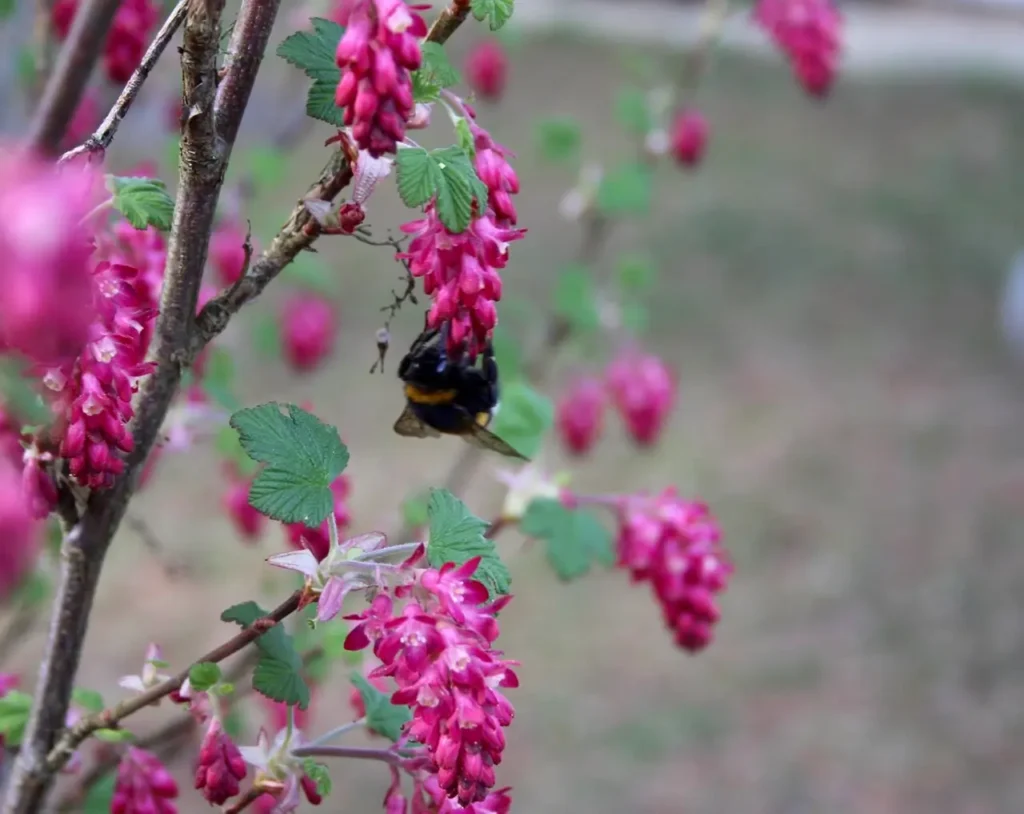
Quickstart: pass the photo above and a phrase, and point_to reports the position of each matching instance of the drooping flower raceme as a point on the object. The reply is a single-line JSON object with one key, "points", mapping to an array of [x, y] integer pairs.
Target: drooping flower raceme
{"points": [[644, 390], [379, 48], [809, 33], [675, 545], [579, 414], [221, 766], [46, 309], [308, 330], [126, 40], [94, 394], [438, 650], [461, 273], [491, 163], [487, 69], [143, 785]]}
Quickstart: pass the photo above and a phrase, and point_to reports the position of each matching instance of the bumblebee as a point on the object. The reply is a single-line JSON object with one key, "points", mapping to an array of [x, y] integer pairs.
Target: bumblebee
{"points": [[447, 396]]}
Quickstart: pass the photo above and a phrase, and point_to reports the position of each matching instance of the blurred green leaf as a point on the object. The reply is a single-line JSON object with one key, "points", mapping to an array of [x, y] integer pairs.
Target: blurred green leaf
{"points": [[632, 111], [507, 354], [558, 139], [626, 190], [19, 395], [524, 418], [266, 165], [14, 711], [313, 53], [89, 700], [100, 796], [576, 299], [496, 12], [637, 274], [144, 202], [310, 272], [435, 73], [575, 538], [203, 675]]}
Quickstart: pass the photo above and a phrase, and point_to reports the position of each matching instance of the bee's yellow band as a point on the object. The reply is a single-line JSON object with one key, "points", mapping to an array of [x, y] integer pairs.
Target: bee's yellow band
{"points": [[418, 396], [483, 419]]}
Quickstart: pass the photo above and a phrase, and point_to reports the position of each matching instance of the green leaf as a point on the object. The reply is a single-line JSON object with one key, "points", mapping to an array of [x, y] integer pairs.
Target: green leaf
{"points": [[559, 139], [7, 8], [635, 318], [100, 796], [507, 354], [309, 271], [626, 190], [224, 688], [457, 535], [89, 700], [33, 590], [114, 735], [525, 417], [278, 672], [203, 675], [633, 112], [313, 53], [435, 74], [229, 446], [143, 201], [319, 774], [464, 137], [19, 395], [496, 12], [218, 378], [637, 274], [234, 722], [25, 67], [575, 538], [382, 716], [266, 335], [266, 165], [414, 510], [304, 457], [576, 299], [14, 712], [446, 174]]}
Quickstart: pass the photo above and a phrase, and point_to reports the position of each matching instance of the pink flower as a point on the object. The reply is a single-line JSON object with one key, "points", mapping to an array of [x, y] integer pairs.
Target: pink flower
{"points": [[47, 306], [318, 541], [448, 675], [143, 249], [247, 521], [579, 415], [460, 273], [487, 69], [643, 389], [308, 330], [143, 785], [128, 38], [227, 252], [497, 174], [688, 137], [809, 33], [94, 394], [379, 48], [84, 121], [675, 545], [221, 766], [19, 531]]}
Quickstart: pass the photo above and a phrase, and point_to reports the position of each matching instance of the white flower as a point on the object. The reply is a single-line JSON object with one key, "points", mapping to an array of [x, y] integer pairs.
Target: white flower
{"points": [[526, 485], [149, 677]]}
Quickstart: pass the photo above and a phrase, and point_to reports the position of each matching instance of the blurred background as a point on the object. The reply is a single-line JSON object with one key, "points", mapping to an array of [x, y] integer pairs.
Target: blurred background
{"points": [[829, 292]]}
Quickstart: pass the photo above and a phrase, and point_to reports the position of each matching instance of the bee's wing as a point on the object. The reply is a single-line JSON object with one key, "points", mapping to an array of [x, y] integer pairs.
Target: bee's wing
{"points": [[409, 424], [485, 439]]}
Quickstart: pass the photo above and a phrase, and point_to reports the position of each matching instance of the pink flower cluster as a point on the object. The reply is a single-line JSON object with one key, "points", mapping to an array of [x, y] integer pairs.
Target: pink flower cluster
{"points": [[809, 33], [143, 785], [379, 48], [126, 40], [639, 385], [675, 544], [487, 69], [94, 393], [221, 767], [45, 312], [309, 328], [438, 650], [688, 137]]}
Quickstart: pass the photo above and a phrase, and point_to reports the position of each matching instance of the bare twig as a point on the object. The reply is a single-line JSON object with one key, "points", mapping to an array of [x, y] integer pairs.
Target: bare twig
{"points": [[448, 20], [108, 718], [71, 74], [246, 800], [350, 752], [173, 570], [104, 134], [398, 298]]}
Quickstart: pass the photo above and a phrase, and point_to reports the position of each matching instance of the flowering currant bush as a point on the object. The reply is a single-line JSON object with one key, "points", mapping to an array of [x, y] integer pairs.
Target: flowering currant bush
{"points": [[115, 296]]}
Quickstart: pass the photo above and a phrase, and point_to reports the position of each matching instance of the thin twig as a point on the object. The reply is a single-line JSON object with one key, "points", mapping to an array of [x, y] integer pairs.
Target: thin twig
{"points": [[67, 83], [398, 298], [100, 140], [108, 718], [173, 570], [243, 802], [350, 752], [448, 20]]}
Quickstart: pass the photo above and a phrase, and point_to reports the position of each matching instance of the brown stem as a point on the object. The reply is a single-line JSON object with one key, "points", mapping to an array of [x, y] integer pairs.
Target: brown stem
{"points": [[243, 802], [448, 20], [43, 45], [71, 74], [104, 134], [351, 752], [108, 718]]}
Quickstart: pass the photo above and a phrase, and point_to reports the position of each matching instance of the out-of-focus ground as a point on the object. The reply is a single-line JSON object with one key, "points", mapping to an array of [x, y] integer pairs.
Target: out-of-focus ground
{"points": [[828, 293]]}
